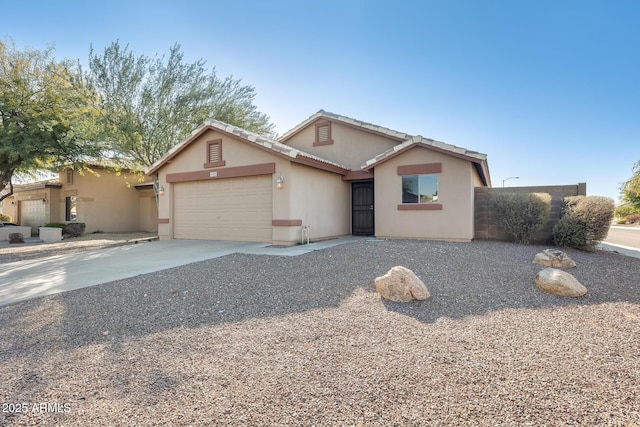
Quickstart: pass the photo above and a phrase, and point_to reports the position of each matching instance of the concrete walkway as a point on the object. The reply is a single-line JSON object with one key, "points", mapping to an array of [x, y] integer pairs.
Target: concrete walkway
{"points": [[24, 280], [622, 249]]}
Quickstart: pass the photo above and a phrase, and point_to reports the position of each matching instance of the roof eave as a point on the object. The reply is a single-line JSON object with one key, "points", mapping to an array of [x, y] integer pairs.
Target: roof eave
{"points": [[480, 161]]}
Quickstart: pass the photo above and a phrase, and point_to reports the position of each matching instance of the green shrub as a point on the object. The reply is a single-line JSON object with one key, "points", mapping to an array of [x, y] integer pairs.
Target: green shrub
{"points": [[626, 210], [522, 214], [5, 218], [584, 223], [56, 225]]}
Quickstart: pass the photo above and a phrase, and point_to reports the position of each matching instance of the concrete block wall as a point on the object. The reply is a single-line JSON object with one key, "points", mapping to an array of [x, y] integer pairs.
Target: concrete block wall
{"points": [[486, 223]]}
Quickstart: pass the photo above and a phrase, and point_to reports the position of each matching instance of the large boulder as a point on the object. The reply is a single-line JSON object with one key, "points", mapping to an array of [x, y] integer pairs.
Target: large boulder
{"points": [[401, 285], [558, 282], [554, 258]]}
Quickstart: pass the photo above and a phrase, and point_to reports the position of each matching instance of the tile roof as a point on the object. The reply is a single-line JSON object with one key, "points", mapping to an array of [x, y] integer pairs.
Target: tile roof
{"points": [[420, 140], [36, 185], [400, 136], [478, 159], [246, 135], [405, 140]]}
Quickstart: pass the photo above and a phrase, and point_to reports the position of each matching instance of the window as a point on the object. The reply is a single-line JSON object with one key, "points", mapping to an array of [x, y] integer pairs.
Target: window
{"points": [[214, 154], [71, 209], [323, 134], [69, 176], [419, 188]]}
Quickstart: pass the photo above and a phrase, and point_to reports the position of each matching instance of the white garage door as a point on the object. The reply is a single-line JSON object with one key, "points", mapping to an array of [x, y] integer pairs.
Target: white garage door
{"points": [[33, 213], [224, 209]]}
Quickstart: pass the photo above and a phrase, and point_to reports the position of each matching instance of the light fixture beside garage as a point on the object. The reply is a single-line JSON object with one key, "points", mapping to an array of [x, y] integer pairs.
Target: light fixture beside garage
{"points": [[161, 191], [280, 182]]}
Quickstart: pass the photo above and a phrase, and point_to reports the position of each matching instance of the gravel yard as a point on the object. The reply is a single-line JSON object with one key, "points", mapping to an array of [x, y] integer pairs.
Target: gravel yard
{"points": [[87, 242], [265, 340]]}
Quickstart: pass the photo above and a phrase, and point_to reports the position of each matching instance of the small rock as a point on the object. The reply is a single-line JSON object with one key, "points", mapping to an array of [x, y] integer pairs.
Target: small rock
{"points": [[16, 238], [554, 258], [401, 285], [558, 282]]}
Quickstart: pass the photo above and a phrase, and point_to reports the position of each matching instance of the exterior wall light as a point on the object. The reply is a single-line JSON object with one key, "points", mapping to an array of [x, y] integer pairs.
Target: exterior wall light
{"points": [[161, 191], [280, 182]]}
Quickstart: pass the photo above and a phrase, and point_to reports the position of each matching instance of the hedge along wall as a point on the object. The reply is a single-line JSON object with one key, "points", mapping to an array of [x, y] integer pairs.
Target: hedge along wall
{"points": [[486, 223]]}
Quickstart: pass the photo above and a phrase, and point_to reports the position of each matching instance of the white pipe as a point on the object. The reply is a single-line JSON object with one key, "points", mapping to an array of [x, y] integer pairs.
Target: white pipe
{"points": [[304, 231]]}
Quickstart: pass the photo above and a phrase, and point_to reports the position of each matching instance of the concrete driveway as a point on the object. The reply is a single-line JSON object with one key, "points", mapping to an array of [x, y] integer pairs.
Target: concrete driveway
{"points": [[23, 280]]}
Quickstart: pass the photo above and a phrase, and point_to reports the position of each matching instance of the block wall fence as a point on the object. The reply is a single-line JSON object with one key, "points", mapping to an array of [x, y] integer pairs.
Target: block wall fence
{"points": [[486, 224]]}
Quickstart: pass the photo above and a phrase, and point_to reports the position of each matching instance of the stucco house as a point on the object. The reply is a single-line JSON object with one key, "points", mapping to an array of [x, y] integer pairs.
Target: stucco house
{"points": [[103, 198], [331, 175]]}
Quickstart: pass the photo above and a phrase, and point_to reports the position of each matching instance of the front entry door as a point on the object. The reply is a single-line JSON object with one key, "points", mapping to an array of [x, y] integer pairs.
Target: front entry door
{"points": [[362, 208]]}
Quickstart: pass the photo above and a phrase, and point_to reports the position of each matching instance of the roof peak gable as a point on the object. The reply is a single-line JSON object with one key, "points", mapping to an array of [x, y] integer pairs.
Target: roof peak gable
{"points": [[348, 121], [235, 131]]}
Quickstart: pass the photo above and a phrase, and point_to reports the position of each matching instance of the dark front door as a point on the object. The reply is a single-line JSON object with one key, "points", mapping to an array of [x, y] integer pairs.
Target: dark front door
{"points": [[362, 208]]}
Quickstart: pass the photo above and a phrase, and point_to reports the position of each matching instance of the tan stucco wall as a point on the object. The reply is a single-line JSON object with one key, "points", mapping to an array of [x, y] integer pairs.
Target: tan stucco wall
{"points": [[235, 153], [147, 211], [318, 198], [10, 209], [106, 201], [321, 200], [455, 193], [351, 147]]}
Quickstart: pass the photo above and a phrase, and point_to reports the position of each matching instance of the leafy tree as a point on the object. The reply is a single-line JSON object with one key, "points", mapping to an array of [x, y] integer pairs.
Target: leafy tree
{"points": [[631, 188], [150, 104], [45, 113]]}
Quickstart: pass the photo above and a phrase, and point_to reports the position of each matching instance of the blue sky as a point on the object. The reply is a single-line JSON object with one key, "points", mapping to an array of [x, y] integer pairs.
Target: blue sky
{"points": [[550, 90]]}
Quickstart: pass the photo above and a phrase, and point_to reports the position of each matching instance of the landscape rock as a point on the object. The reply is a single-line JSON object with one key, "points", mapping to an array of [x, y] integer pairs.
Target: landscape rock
{"points": [[74, 229], [558, 282], [401, 285], [16, 238], [554, 258]]}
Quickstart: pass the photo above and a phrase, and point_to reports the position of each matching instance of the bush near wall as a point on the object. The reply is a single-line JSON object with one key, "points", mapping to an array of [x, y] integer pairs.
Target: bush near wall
{"points": [[622, 212], [585, 222], [632, 219], [5, 218], [56, 225], [522, 214]]}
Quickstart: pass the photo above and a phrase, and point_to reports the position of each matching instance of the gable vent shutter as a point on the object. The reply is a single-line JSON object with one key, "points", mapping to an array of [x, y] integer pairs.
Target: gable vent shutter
{"points": [[323, 133], [214, 153]]}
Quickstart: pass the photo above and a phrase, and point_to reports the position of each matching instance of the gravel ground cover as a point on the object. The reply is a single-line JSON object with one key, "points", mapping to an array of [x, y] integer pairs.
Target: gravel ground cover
{"points": [[87, 242], [270, 341]]}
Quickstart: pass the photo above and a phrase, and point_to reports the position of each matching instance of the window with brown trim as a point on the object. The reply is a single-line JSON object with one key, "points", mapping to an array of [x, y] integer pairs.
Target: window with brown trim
{"points": [[323, 134], [419, 188], [214, 154], [69, 176]]}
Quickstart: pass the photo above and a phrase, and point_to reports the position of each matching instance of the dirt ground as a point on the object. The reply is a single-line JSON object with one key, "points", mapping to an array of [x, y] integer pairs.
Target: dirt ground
{"points": [[33, 248]]}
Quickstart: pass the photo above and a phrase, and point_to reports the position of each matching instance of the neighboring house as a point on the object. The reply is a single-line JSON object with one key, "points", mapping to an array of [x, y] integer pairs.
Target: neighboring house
{"points": [[103, 199], [333, 174]]}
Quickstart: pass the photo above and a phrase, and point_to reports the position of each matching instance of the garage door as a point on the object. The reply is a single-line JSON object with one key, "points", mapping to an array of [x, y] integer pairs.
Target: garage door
{"points": [[224, 209], [33, 213]]}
